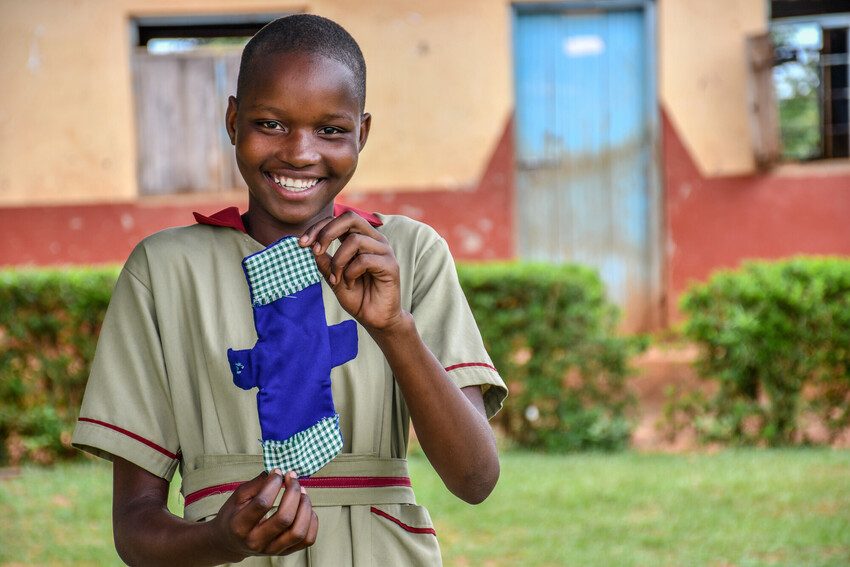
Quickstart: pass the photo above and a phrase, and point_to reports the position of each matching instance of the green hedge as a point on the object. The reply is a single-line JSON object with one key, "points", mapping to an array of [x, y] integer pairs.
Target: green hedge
{"points": [[775, 339], [552, 335], [49, 320], [549, 330]]}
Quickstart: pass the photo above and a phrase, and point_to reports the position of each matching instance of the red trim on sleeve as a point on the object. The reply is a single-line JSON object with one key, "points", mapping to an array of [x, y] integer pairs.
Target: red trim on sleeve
{"points": [[467, 364], [403, 526], [315, 482], [132, 435], [230, 217]]}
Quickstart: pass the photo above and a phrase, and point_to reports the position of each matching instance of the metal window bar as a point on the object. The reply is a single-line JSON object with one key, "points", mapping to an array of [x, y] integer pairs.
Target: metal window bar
{"points": [[835, 73]]}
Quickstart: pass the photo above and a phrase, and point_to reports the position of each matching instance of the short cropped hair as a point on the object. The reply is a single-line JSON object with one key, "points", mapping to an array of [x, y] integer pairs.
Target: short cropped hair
{"points": [[303, 33]]}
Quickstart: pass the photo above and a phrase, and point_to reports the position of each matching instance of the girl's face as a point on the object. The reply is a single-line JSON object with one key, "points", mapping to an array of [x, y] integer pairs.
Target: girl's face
{"points": [[298, 130]]}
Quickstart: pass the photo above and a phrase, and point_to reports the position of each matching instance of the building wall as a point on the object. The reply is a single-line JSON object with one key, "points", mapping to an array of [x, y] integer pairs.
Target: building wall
{"points": [[477, 222], [703, 78], [440, 96], [66, 126], [719, 222], [66, 129], [441, 149]]}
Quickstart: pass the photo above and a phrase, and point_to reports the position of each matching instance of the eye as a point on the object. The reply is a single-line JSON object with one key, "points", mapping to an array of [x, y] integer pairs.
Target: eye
{"points": [[269, 124], [330, 130]]}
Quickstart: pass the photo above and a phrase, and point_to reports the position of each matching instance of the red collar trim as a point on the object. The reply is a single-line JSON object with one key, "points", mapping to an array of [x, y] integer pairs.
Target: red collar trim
{"points": [[230, 217]]}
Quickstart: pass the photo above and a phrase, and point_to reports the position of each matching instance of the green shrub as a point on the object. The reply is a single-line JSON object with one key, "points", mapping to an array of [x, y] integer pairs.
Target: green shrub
{"points": [[549, 329], [775, 339], [552, 335], [49, 320]]}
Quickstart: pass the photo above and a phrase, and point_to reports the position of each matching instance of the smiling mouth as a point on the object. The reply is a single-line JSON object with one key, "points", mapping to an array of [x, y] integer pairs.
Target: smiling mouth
{"points": [[294, 185]]}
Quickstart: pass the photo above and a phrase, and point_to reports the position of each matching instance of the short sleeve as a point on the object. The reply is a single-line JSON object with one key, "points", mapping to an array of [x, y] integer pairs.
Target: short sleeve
{"points": [[127, 409], [446, 324]]}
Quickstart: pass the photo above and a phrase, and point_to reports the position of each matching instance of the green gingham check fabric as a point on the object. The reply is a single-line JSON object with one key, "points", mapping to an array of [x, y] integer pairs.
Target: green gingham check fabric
{"points": [[281, 269], [307, 451]]}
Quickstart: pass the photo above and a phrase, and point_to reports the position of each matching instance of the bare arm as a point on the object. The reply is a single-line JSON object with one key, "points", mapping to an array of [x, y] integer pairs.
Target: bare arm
{"points": [[146, 533], [450, 423]]}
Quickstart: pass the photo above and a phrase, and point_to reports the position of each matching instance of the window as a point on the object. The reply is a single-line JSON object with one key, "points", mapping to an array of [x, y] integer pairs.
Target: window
{"points": [[811, 77], [183, 71]]}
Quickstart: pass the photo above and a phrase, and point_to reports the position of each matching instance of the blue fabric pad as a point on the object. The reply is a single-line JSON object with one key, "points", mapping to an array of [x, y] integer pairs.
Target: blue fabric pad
{"points": [[291, 362]]}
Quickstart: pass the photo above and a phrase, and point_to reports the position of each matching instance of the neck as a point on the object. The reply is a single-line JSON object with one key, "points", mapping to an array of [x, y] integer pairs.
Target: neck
{"points": [[266, 229]]}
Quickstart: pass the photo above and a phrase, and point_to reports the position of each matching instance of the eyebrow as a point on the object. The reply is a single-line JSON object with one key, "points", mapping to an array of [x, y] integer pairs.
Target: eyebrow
{"points": [[334, 115], [330, 116]]}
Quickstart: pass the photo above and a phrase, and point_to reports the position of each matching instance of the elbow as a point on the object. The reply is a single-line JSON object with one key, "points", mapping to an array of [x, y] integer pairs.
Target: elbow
{"points": [[478, 484], [127, 525], [122, 537], [125, 555], [124, 549]]}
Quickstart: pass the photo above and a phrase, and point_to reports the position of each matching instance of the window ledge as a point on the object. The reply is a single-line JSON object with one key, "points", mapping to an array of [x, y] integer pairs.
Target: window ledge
{"points": [[824, 167]]}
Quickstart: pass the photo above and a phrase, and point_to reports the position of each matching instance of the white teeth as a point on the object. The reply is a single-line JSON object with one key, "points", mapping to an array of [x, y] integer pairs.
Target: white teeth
{"points": [[295, 185]]}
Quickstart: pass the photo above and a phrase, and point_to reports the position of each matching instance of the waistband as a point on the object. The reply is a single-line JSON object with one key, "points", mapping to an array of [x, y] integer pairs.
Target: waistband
{"points": [[348, 480]]}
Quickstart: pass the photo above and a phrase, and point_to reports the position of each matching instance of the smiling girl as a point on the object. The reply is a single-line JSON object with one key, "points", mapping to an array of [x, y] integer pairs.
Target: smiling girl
{"points": [[162, 395]]}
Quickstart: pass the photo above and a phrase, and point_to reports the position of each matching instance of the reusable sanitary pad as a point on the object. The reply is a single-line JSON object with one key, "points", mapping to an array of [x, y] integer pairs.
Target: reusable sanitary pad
{"points": [[292, 360]]}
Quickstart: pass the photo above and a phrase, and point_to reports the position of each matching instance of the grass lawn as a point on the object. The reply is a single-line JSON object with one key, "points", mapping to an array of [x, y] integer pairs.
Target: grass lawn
{"points": [[742, 508]]}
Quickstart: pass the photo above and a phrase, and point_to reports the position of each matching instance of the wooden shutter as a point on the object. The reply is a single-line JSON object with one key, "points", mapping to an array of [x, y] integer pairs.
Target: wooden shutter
{"points": [[180, 105], [764, 114]]}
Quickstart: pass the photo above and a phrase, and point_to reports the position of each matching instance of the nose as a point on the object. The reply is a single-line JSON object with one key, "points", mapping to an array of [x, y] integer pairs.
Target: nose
{"points": [[298, 149]]}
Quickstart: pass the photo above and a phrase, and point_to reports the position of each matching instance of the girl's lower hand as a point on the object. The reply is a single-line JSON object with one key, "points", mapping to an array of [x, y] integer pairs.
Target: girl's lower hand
{"points": [[242, 528], [363, 272]]}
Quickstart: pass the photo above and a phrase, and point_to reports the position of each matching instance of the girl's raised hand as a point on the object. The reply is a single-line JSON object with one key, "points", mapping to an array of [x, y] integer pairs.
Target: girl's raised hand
{"points": [[242, 527], [363, 272]]}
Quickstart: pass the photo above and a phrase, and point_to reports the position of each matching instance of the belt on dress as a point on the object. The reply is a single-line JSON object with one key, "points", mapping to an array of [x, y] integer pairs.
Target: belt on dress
{"points": [[348, 480]]}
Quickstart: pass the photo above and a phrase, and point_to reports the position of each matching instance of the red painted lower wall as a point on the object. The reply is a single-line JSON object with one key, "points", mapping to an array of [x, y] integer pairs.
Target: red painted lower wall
{"points": [[718, 222], [477, 223]]}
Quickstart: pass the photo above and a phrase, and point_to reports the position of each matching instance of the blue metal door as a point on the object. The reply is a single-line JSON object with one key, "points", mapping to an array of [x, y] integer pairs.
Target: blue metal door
{"points": [[584, 145]]}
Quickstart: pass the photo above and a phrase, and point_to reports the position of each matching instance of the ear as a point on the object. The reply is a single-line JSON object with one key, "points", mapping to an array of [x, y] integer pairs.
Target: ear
{"points": [[230, 118], [365, 124]]}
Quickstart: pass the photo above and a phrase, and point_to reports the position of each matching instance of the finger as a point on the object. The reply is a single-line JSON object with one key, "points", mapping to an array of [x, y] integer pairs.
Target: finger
{"points": [[378, 265], [254, 510], [351, 247], [323, 262], [249, 489], [309, 235], [312, 533], [347, 223], [297, 532], [284, 517]]}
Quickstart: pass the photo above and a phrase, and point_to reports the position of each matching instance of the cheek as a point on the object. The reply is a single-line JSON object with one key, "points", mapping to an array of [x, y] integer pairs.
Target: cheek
{"points": [[244, 151], [345, 159], [251, 147]]}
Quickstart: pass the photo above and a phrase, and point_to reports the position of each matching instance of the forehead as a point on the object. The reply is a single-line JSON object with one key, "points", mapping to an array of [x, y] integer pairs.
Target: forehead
{"points": [[301, 77]]}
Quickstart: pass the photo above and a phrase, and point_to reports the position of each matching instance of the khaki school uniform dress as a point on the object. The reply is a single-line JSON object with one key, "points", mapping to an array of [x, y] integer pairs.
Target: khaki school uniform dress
{"points": [[161, 393]]}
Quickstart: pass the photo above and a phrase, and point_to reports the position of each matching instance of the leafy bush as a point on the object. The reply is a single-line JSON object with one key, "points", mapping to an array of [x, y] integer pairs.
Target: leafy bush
{"points": [[549, 329], [49, 320], [775, 338], [552, 335]]}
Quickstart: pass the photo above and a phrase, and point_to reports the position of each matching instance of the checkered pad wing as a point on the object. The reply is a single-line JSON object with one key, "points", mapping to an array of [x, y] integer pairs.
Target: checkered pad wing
{"points": [[281, 269], [306, 451]]}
